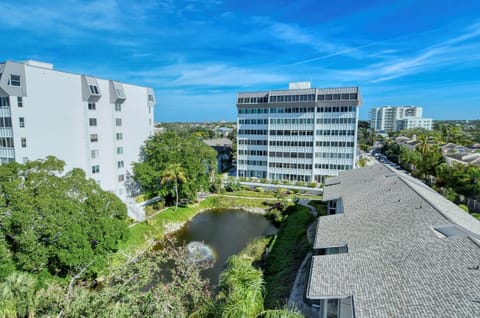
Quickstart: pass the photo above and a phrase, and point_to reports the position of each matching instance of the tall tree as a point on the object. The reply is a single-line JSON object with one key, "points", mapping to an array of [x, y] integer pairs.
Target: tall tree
{"points": [[56, 221], [196, 158], [174, 173]]}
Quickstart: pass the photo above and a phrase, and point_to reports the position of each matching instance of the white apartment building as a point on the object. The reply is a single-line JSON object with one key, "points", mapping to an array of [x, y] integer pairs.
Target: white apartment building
{"points": [[94, 124], [394, 118], [299, 134]]}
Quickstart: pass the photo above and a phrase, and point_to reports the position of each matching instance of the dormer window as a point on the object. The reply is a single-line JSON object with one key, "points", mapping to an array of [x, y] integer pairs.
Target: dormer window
{"points": [[94, 89], [14, 80]]}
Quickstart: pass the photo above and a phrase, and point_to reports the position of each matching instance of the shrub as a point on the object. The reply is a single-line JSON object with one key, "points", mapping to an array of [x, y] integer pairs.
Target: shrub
{"points": [[285, 182], [275, 215], [276, 182], [258, 189], [300, 183], [232, 186], [312, 184], [263, 180], [463, 207], [140, 198]]}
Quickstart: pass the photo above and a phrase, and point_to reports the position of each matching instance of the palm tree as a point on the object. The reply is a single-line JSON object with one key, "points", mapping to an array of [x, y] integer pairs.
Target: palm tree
{"points": [[174, 173], [17, 295]]}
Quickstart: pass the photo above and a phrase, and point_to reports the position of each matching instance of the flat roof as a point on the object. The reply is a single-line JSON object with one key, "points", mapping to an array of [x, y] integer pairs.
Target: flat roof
{"points": [[397, 264]]}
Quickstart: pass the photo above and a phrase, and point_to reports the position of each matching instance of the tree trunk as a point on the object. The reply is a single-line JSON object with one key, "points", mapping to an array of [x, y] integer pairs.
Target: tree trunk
{"points": [[176, 195]]}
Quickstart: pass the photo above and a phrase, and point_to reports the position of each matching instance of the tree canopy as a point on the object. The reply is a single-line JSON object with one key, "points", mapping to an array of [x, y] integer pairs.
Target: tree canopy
{"points": [[54, 221], [197, 160]]}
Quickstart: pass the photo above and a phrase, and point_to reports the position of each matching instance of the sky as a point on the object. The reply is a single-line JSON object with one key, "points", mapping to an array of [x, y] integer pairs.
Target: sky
{"points": [[198, 54]]}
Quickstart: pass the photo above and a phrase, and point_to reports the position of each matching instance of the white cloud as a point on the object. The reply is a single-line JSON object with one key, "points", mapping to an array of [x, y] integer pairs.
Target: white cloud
{"points": [[209, 74]]}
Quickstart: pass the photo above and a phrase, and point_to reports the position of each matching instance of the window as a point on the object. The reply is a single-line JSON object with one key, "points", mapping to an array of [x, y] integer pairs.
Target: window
{"points": [[6, 142], [120, 164], [119, 150], [5, 122], [95, 169], [118, 107], [92, 106], [118, 122], [93, 138], [92, 122], [119, 136], [94, 89], [4, 101], [14, 80], [20, 101], [94, 153], [121, 178], [23, 142], [21, 122], [150, 98]]}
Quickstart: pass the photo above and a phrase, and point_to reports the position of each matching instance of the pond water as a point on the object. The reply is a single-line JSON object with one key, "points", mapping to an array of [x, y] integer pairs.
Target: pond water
{"points": [[226, 232]]}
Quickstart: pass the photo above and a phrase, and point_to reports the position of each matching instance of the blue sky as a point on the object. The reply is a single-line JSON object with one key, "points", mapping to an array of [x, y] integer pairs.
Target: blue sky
{"points": [[197, 54]]}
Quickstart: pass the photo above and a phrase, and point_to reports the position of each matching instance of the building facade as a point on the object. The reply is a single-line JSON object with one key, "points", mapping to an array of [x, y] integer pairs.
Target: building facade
{"points": [[390, 118], [94, 124], [300, 134]]}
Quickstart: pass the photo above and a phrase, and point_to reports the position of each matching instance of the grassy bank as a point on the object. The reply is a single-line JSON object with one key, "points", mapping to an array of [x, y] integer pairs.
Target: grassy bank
{"points": [[288, 251]]}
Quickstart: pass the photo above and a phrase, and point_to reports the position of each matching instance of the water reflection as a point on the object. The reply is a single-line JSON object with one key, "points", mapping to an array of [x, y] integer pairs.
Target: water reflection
{"points": [[226, 232]]}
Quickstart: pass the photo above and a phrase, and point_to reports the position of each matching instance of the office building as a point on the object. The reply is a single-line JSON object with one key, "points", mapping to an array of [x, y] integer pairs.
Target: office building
{"points": [[388, 118], [94, 124], [393, 247], [298, 134]]}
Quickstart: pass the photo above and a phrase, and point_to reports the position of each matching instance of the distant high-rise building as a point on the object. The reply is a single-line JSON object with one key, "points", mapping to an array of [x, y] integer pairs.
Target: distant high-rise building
{"points": [[394, 118], [299, 134], [94, 124]]}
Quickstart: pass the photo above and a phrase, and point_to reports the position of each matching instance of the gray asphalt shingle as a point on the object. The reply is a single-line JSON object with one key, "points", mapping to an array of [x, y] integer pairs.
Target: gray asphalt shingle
{"points": [[397, 265]]}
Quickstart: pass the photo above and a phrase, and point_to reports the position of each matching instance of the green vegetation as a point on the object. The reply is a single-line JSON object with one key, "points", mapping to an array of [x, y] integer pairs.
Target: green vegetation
{"points": [[426, 162], [290, 248], [161, 152], [241, 294], [55, 224], [320, 206], [157, 284], [175, 174]]}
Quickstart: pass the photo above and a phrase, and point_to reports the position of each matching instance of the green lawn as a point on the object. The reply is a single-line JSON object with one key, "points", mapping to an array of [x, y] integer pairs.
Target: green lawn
{"points": [[288, 251], [270, 194]]}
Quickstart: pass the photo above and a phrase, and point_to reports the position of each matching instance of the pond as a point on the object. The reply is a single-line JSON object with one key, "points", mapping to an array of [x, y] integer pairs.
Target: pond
{"points": [[226, 232]]}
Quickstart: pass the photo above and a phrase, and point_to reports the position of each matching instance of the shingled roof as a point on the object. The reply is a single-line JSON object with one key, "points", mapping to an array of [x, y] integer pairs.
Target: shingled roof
{"points": [[397, 264]]}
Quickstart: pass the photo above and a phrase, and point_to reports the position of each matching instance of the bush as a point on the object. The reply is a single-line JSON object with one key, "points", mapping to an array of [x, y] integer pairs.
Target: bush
{"points": [[275, 215], [242, 179], [159, 205], [463, 207], [300, 183], [285, 182], [140, 198], [312, 184], [149, 210], [276, 182], [258, 189], [232, 186], [263, 180]]}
